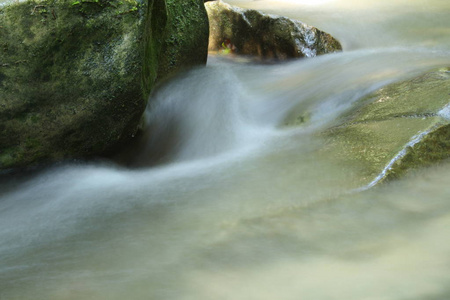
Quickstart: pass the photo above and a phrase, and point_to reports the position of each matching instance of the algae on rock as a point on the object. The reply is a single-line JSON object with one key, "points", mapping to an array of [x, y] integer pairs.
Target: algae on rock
{"points": [[398, 128], [75, 75], [177, 38]]}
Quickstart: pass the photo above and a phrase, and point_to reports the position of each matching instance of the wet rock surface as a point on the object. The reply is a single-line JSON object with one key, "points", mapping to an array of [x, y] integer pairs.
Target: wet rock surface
{"points": [[250, 32], [75, 75], [399, 128], [392, 131]]}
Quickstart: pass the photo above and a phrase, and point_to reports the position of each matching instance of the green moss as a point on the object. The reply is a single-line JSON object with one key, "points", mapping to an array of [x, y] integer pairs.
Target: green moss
{"points": [[76, 75], [8, 157], [156, 20], [369, 147], [178, 30], [421, 96], [378, 130], [435, 147], [184, 20], [70, 70]]}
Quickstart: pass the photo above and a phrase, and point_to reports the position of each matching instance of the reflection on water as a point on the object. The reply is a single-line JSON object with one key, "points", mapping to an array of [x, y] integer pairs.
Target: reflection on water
{"points": [[237, 206]]}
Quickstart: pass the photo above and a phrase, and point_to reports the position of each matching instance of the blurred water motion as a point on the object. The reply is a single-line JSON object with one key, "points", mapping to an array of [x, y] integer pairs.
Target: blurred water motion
{"points": [[233, 205]]}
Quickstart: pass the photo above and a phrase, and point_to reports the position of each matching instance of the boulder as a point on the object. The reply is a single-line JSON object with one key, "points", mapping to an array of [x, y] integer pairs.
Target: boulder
{"points": [[246, 31], [75, 76], [399, 128]]}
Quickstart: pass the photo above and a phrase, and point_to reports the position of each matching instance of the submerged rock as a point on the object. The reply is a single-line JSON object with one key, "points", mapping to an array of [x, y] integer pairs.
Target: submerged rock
{"points": [[400, 127], [251, 32], [75, 75]]}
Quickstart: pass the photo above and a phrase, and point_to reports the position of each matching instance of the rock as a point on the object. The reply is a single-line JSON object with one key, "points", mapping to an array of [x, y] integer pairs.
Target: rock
{"points": [[184, 38], [270, 37], [75, 75], [401, 127]]}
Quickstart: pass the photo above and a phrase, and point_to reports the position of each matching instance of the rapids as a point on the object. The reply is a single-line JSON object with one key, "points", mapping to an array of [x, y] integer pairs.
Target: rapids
{"points": [[224, 202]]}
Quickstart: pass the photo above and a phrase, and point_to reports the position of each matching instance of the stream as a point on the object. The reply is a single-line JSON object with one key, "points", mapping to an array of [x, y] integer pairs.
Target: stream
{"points": [[225, 202]]}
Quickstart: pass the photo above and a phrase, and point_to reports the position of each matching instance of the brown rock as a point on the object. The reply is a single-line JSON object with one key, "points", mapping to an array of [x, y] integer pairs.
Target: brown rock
{"points": [[251, 32]]}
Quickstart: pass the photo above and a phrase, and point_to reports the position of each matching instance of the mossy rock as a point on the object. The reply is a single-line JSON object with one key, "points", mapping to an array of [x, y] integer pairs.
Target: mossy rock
{"points": [[185, 38], [250, 32], [399, 128], [75, 76]]}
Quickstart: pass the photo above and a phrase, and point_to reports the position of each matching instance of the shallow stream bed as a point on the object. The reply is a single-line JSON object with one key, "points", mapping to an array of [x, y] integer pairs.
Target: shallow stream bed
{"points": [[239, 206]]}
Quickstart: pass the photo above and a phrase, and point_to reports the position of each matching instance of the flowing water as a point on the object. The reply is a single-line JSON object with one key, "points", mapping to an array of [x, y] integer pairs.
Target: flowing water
{"points": [[224, 202]]}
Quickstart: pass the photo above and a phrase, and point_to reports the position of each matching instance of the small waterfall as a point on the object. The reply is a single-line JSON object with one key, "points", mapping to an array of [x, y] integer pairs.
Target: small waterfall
{"points": [[196, 116]]}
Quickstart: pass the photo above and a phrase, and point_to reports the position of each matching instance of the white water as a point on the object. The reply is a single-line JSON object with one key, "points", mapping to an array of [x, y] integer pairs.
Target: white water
{"points": [[227, 204]]}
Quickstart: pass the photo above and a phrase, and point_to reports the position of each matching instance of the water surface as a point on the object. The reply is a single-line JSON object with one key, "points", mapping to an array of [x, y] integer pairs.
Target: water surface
{"points": [[224, 202]]}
